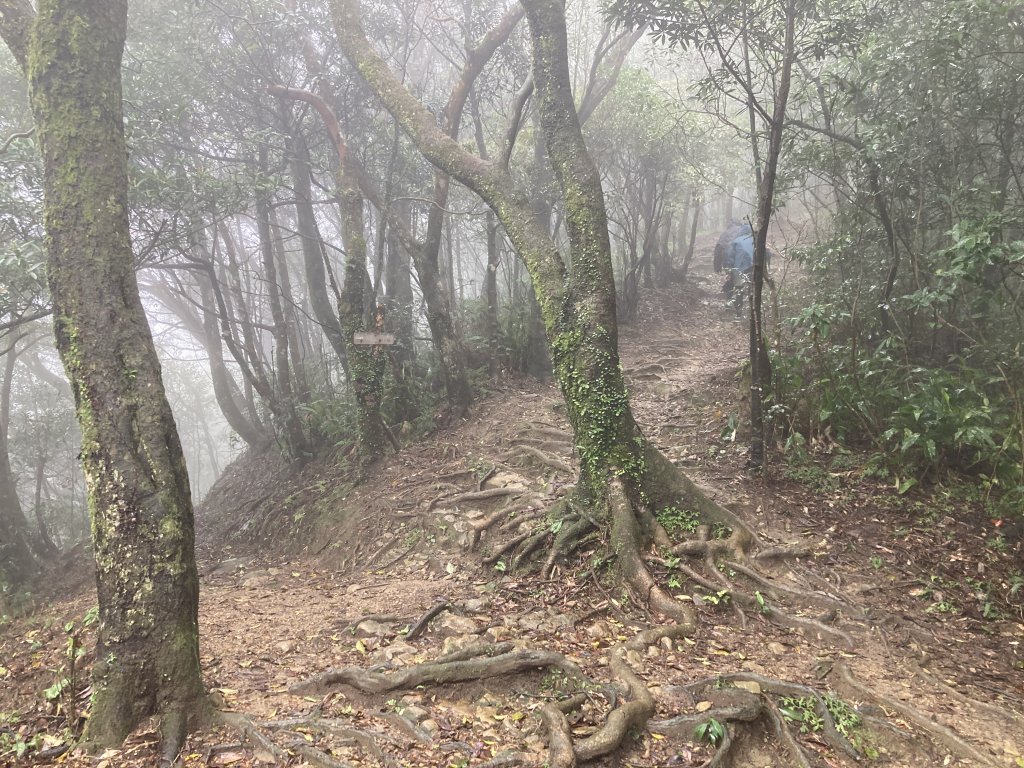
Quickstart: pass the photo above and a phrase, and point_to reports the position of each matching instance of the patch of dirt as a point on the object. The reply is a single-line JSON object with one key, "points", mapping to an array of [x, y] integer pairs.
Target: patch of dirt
{"points": [[303, 573]]}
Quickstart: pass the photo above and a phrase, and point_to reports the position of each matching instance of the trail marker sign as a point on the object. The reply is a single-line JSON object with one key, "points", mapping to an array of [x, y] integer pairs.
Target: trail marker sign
{"points": [[369, 339]]}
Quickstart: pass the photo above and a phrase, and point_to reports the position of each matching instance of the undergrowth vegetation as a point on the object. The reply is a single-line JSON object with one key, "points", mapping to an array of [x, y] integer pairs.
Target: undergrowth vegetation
{"points": [[938, 393]]}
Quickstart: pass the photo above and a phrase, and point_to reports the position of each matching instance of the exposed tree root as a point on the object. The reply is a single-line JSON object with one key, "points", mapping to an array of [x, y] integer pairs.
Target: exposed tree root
{"points": [[420, 626], [407, 726], [810, 627], [505, 548], [531, 544], [734, 546], [474, 650], [667, 485], [341, 730], [268, 751], [774, 588], [783, 734], [1003, 712], [548, 433], [442, 671], [939, 732], [478, 527], [544, 459], [750, 703], [542, 444], [515, 520], [463, 498], [560, 749], [632, 569], [782, 553], [638, 706], [249, 731], [570, 537]]}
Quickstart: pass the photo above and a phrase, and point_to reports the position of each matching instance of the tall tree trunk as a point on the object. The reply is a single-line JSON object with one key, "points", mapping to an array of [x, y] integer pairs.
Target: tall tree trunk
{"points": [[450, 347], [291, 317], [399, 301], [691, 241], [491, 327], [367, 364], [295, 440], [203, 326], [760, 367], [16, 561], [47, 547], [224, 388], [312, 252], [147, 655]]}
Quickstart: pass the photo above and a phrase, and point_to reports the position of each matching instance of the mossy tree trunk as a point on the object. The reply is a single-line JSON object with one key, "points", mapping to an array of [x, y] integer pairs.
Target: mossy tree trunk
{"points": [[576, 297], [147, 656], [367, 365]]}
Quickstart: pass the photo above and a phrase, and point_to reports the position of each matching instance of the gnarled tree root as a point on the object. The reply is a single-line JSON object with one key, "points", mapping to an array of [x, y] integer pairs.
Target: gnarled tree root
{"points": [[485, 495], [441, 671], [548, 433], [638, 707], [252, 732], [809, 627], [560, 750], [420, 626], [937, 731], [632, 569], [667, 485], [540, 457], [743, 705]]}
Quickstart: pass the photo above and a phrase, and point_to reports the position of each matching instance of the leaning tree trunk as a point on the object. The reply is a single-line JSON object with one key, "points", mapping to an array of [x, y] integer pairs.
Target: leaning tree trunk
{"points": [[577, 301], [147, 656]]}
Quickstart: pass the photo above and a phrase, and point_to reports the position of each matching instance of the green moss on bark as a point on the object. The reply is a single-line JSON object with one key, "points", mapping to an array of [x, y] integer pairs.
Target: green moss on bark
{"points": [[139, 498]]}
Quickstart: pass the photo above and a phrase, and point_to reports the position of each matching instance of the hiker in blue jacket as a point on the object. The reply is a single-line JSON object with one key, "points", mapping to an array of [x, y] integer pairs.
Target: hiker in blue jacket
{"points": [[735, 254]]}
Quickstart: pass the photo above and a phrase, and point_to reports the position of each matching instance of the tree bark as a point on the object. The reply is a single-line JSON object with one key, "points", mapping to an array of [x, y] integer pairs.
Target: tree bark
{"points": [[577, 303], [147, 656], [17, 564], [312, 252], [367, 364], [296, 445], [760, 367]]}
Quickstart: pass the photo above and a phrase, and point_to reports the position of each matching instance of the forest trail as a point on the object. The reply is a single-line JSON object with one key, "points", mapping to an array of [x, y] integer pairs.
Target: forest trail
{"points": [[900, 588]]}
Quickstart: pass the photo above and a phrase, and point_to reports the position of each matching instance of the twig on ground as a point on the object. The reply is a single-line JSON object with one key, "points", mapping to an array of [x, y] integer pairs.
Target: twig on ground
{"points": [[420, 626]]}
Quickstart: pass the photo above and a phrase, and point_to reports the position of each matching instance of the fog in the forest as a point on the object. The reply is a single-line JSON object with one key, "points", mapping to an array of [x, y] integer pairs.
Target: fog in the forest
{"points": [[896, 269]]}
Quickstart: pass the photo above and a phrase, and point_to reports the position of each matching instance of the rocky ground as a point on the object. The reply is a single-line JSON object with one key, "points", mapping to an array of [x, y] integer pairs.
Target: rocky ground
{"points": [[902, 613]]}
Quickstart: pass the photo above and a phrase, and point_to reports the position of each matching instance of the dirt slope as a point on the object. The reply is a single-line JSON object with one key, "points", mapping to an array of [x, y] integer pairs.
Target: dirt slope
{"points": [[923, 609]]}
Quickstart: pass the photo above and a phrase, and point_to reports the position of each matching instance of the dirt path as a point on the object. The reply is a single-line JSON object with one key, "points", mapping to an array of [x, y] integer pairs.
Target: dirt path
{"points": [[415, 536]]}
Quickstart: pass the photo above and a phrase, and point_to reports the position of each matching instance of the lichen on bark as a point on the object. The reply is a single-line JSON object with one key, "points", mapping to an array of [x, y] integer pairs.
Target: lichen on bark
{"points": [[139, 498]]}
